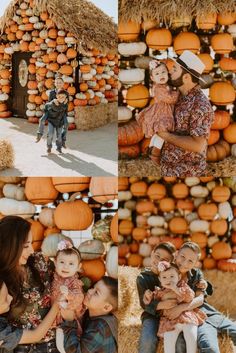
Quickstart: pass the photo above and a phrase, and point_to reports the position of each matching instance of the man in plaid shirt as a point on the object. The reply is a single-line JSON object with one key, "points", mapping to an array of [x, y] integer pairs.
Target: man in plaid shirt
{"points": [[100, 325]]}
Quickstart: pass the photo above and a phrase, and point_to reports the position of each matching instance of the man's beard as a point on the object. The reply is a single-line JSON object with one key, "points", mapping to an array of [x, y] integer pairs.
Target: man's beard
{"points": [[178, 82]]}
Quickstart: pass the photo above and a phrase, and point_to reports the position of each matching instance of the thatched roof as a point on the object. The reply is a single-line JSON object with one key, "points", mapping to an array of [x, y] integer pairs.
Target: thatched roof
{"points": [[167, 10], [90, 25]]}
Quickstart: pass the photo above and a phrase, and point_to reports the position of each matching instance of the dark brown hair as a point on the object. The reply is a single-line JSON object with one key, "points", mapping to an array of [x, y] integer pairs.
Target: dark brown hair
{"points": [[112, 284], [62, 91], [192, 246], [167, 246]]}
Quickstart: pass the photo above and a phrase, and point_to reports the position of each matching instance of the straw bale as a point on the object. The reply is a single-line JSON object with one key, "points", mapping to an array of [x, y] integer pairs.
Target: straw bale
{"points": [[91, 117], [90, 25], [6, 155]]}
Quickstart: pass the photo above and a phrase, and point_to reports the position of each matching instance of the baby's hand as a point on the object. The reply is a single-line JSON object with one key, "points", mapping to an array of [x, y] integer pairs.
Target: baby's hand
{"points": [[202, 284], [148, 296]]}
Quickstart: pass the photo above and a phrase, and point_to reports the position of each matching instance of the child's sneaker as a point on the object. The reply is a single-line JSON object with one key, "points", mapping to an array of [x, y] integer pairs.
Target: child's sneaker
{"points": [[38, 138], [49, 150], [59, 150], [63, 144]]}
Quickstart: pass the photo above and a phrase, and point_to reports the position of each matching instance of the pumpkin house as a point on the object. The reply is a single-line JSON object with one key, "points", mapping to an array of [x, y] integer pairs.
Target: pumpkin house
{"points": [[73, 39], [154, 210], [163, 30]]}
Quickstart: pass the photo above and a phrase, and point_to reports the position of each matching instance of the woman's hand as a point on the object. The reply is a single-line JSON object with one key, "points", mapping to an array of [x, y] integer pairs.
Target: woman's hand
{"points": [[167, 304], [68, 315]]}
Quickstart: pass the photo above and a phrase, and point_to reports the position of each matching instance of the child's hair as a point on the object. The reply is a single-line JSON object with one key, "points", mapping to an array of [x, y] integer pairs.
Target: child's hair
{"points": [[112, 284], [192, 246], [59, 78], [70, 251], [167, 246], [62, 91], [164, 266], [154, 64]]}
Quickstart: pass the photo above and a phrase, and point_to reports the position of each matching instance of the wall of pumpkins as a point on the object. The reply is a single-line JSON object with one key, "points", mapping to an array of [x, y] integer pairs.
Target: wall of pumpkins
{"points": [[212, 38], [54, 51], [153, 210], [61, 208]]}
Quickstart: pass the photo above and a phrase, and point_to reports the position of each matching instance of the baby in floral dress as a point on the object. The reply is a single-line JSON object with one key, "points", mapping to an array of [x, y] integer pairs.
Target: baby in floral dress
{"points": [[158, 116], [188, 321], [67, 283]]}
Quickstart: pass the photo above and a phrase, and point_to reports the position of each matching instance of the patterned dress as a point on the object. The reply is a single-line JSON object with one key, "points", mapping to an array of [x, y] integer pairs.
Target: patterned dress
{"points": [[159, 116], [196, 316], [193, 117]]}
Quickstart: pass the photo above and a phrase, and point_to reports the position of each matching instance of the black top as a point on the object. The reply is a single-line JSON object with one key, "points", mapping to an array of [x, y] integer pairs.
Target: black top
{"points": [[55, 113]]}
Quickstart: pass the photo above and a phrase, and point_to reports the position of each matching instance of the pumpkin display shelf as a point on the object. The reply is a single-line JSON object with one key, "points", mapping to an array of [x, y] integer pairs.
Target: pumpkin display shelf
{"points": [[153, 210], [42, 39], [209, 31], [81, 209]]}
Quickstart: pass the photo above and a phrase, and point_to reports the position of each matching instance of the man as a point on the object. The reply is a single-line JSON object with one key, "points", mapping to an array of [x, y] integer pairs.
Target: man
{"points": [[184, 151], [100, 327]]}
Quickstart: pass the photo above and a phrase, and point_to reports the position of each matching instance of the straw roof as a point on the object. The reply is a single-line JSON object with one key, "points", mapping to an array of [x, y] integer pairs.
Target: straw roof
{"points": [[167, 10], [90, 25]]}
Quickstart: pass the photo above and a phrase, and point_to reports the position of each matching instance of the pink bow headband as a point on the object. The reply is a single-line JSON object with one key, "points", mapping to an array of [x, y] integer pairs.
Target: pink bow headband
{"points": [[153, 64], [163, 266], [64, 244]]}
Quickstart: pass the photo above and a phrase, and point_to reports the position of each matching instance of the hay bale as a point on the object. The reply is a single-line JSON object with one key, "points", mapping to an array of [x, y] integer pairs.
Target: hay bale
{"points": [[129, 309], [91, 117], [6, 155]]}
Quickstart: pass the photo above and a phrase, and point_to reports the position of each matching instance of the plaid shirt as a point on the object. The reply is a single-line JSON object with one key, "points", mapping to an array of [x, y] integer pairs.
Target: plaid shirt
{"points": [[10, 336], [97, 336]]}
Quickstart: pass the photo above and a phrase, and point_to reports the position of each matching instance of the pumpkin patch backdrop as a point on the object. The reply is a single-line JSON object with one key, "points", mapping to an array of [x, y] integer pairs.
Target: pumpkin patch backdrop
{"points": [[164, 29], [80, 208], [152, 210], [74, 39]]}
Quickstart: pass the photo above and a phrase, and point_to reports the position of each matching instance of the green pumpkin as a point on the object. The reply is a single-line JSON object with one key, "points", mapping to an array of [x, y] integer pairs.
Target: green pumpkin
{"points": [[101, 229]]}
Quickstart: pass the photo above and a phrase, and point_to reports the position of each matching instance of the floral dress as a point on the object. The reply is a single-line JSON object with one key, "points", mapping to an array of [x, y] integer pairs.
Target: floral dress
{"points": [[159, 116], [37, 304], [195, 316], [193, 117]]}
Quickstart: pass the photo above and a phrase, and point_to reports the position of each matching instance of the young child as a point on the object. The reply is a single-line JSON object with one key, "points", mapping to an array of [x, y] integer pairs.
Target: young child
{"points": [[11, 336], [100, 327], [67, 283], [59, 83], [158, 116], [172, 287]]}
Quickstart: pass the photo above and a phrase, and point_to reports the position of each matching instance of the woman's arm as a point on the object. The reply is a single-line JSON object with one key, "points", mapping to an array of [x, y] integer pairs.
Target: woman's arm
{"points": [[177, 310], [189, 143], [35, 335]]}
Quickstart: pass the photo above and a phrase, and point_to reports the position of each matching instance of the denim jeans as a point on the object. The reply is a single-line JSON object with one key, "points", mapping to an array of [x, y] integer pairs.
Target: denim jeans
{"points": [[42, 124], [50, 134], [65, 129], [207, 335]]}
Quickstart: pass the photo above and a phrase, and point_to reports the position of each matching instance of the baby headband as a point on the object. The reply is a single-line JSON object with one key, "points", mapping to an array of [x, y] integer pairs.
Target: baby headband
{"points": [[163, 266], [153, 64], [66, 244]]}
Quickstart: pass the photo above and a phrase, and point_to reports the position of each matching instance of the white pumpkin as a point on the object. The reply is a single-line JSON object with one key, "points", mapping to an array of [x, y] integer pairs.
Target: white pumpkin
{"points": [[232, 30], [192, 216], [225, 210], [112, 262], [16, 192], [158, 231], [91, 249], [23, 209], [124, 195], [192, 181], [38, 25], [199, 226], [131, 76], [124, 114], [70, 119], [233, 150], [212, 240], [124, 213], [9, 50], [131, 205], [142, 62], [211, 185], [199, 191], [156, 221], [129, 49], [50, 244], [33, 19], [145, 249], [4, 97], [46, 217], [70, 40], [198, 201]]}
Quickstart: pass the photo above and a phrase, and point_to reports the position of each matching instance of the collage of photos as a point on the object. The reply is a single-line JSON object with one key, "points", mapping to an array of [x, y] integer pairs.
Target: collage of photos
{"points": [[117, 176]]}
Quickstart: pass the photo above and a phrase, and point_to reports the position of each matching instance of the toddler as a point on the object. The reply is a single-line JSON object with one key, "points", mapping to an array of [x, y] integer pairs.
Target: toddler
{"points": [[158, 116]]}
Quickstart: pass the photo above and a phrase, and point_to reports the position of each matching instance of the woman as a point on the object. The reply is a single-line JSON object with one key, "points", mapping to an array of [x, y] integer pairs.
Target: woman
{"points": [[27, 277]]}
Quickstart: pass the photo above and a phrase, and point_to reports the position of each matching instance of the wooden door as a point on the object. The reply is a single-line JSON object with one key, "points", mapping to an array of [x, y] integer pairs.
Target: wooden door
{"points": [[19, 99]]}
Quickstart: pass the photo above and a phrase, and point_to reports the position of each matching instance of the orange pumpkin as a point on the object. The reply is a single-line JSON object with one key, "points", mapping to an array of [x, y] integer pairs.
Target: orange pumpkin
{"points": [[221, 120], [37, 230], [103, 189], [207, 61], [156, 191], [40, 190], [167, 204], [213, 137], [209, 263], [200, 239], [220, 193], [228, 64], [3, 107], [83, 87], [71, 53], [123, 183], [129, 134], [226, 18], [186, 205], [186, 41], [139, 188], [230, 133], [139, 234], [66, 70], [221, 250], [114, 228], [227, 265], [94, 269], [178, 225], [5, 74], [180, 191], [135, 260], [222, 43], [206, 21], [222, 93], [159, 38], [126, 227], [145, 207], [52, 230], [123, 250], [128, 31], [137, 96], [70, 184], [207, 211], [219, 226]]}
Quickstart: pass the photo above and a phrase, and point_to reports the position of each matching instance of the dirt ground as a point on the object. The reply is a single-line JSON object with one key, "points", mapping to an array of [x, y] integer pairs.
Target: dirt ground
{"points": [[88, 153], [142, 167]]}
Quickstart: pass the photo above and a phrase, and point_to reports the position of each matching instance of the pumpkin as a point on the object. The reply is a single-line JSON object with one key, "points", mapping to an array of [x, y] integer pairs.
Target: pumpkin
{"points": [[135, 260], [156, 221], [53, 230], [183, 20], [219, 226], [222, 43], [124, 114], [145, 207], [207, 211], [220, 193], [70, 184], [46, 217], [12, 191], [230, 133], [123, 183], [186, 205], [180, 191], [145, 250], [214, 136], [137, 96], [227, 64], [138, 188], [142, 62], [111, 262], [178, 225], [186, 41], [123, 250], [225, 210], [226, 18], [128, 49], [199, 226], [91, 249], [130, 134], [207, 61], [227, 265], [209, 263], [23, 209], [167, 204], [37, 231], [114, 228], [73, 215], [126, 227], [218, 151], [101, 229], [159, 38], [222, 93], [139, 234], [200, 239], [94, 269], [66, 70], [221, 120], [221, 250], [131, 76], [103, 189], [156, 191], [206, 21], [40, 190], [128, 31]]}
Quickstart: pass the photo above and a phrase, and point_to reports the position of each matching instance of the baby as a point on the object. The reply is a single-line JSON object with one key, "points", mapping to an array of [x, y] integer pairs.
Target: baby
{"points": [[158, 116]]}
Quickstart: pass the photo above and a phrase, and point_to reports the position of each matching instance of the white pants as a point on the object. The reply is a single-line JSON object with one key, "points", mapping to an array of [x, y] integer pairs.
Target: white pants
{"points": [[156, 141], [60, 340], [190, 336]]}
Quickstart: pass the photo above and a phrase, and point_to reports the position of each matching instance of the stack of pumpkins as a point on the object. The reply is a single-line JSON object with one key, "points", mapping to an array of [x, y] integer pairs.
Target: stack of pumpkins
{"points": [[62, 213], [153, 210], [212, 39], [54, 51]]}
